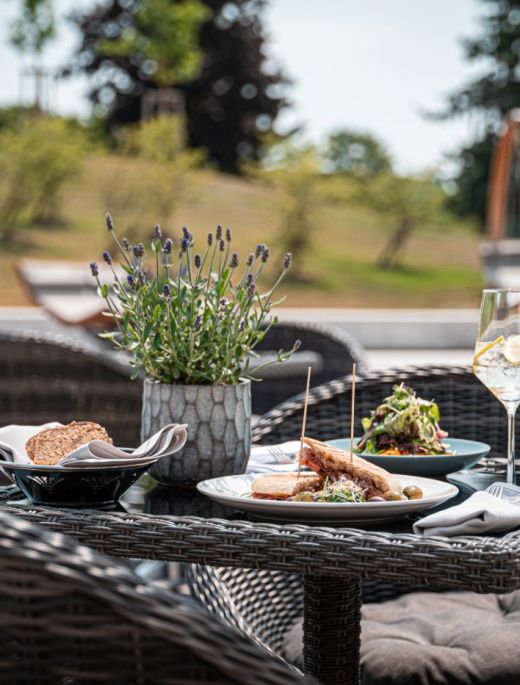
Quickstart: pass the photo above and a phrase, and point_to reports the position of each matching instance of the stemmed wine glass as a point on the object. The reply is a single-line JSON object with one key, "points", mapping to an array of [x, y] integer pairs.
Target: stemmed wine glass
{"points": [[497, 357]]}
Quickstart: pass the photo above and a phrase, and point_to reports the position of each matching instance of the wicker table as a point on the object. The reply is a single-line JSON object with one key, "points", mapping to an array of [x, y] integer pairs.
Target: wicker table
{"points": [[181, 526]]}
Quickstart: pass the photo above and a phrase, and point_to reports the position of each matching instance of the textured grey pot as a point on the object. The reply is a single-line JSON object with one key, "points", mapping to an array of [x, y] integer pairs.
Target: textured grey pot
{"points": [[219, 429]]}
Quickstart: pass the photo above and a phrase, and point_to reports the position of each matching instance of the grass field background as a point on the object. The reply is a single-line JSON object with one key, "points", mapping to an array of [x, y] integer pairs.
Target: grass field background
{"points": [[440, 268]]}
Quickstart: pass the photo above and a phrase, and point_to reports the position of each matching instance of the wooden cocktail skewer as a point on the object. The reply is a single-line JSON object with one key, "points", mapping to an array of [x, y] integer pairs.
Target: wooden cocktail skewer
{"points": [[309, 370], [352, 411]]}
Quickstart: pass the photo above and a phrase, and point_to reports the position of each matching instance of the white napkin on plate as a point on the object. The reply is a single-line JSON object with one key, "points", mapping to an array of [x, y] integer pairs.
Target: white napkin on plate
{"points": [[96, 453], [262, 461], [481, 513]]}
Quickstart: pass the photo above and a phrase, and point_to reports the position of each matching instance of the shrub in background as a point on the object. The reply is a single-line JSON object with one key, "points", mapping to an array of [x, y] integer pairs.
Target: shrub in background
{"points": [[37, 158], [150, 188]]}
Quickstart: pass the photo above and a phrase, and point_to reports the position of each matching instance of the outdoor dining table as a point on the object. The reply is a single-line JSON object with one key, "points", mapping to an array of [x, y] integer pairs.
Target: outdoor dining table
{"points": [[183, 526]]}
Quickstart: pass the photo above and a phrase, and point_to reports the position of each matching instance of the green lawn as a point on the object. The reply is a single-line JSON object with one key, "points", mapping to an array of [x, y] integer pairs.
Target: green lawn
{"points": [[438, 269]]}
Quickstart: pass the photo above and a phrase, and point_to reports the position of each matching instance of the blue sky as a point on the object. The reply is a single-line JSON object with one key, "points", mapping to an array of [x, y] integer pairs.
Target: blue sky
{"points": [[372, 65]]}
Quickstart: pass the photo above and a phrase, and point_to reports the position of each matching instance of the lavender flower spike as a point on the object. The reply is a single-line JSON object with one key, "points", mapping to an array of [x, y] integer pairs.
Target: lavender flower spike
{"points": [[126, 244], [106, 257], [234, 260], [265, 255], [250, 259], [251, 290], [94, 269], [166, 291], [138, 250], [228, 234], [218, 232], [287, 260], [108, 222], [210, 239], [221, 245], [197, 261], [167, 247], [157, 233]]}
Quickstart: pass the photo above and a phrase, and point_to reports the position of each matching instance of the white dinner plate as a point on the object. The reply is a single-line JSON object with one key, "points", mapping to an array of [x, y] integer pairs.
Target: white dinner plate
{"points": [[233, 490]]}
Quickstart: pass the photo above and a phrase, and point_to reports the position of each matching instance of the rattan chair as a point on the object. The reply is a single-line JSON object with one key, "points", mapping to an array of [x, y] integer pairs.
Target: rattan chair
{"points": [[73, 617], [329, 351], [243, 597], [50, 378]]}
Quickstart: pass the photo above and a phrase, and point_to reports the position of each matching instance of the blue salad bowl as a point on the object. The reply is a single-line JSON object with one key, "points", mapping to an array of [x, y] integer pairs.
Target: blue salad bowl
{"points": [[466, 453]]}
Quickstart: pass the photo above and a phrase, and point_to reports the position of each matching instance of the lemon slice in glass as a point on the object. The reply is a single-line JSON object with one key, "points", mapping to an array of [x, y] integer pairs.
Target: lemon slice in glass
{"points": [[487, 347], [511, 349]]}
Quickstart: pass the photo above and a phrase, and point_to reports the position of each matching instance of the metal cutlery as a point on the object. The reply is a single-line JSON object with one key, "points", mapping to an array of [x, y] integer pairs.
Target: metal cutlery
{"points": [[279, 455], [505, 491]]}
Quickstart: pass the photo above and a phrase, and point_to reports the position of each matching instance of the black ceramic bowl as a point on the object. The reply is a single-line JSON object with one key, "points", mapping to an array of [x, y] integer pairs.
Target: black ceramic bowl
{"points": [[60, 487]]}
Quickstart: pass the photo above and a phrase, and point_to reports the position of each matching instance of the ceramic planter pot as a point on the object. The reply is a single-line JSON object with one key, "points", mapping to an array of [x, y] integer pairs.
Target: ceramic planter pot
{"points": [[219, 429]]}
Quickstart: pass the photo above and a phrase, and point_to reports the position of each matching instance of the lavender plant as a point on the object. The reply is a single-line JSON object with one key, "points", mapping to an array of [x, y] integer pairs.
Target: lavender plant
{"points": [[197, 317]]}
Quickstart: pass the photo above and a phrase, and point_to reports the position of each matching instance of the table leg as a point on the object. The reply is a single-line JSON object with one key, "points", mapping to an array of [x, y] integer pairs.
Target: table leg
{"points": [[332, 629]]}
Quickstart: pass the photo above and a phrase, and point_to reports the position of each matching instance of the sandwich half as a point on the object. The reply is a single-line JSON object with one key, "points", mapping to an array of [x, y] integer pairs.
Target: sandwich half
{"points": [[336, 464], [282, 486]]}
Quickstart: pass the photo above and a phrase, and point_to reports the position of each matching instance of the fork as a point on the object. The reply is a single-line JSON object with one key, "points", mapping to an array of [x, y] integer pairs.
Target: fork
{"points": [[505, 491], [279, 455]]}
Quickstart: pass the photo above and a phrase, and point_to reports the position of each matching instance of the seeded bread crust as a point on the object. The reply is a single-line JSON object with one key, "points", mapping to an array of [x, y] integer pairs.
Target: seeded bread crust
{"points": [[50, 446]]}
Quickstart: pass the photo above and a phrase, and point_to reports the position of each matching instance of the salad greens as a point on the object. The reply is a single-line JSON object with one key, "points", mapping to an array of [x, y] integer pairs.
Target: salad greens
{"points": [[403, 424], [341, 491]]}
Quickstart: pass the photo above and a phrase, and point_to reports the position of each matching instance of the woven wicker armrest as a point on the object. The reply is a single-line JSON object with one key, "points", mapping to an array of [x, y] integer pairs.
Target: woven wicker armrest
{"points": [[482, 564], [70, 614]]}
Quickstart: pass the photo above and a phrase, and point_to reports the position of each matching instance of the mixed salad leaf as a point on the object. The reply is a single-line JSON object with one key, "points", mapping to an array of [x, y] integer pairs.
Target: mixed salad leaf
{"points": [[341, 491], [403, 424]]}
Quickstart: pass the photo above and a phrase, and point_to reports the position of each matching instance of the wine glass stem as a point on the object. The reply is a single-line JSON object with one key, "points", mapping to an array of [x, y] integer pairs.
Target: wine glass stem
{"points": [[511, 474]]}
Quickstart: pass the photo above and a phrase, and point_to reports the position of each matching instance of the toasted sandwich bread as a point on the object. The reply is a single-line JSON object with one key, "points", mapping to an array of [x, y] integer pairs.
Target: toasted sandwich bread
{"points": [[333, 462], [281, 486]]}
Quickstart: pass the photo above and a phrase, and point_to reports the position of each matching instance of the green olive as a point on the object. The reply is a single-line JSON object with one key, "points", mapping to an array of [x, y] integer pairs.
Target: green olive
{"points": [[304, 497], [413, 492], [392, 496]]}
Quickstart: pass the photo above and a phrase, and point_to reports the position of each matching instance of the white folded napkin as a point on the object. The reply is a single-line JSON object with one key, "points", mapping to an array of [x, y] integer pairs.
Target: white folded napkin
{"points": [[481, 513], [263, 461], [96, 453]]}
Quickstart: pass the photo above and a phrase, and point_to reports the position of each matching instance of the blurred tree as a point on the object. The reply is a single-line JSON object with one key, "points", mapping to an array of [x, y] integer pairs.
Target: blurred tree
{"points": [[355, 153], [30, 32], [34, 27], [294, 170], [491, 95], [406, 203], [36, 159], [232, 101], [471, 182], [163, 36]]}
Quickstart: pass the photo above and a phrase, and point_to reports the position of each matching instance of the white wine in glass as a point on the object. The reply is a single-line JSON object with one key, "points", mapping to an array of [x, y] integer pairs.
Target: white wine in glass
{"points": [[497, 357]]}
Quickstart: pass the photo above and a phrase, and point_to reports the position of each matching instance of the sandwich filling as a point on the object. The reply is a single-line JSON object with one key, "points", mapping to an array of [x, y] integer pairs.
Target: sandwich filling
{"points": [[338, 465]]}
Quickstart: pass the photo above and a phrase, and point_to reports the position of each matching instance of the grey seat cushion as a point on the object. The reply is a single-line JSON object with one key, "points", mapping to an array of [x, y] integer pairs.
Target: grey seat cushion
{"points": [[456, 638]]}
